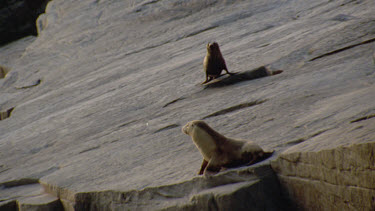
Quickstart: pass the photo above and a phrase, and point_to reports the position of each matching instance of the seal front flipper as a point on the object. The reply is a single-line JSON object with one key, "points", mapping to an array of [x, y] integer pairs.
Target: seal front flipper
{"points": [[214, 166], [203, 167], [208, 79]]}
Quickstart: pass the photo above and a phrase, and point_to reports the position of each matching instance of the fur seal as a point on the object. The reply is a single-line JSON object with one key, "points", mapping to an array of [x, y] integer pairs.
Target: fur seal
{"points": [[214, 62], [219, 151]]}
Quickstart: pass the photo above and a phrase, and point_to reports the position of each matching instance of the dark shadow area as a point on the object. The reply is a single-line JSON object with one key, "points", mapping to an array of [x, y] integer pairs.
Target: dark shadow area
{"points": [[6, 114], [343, 49], [167, 128], [363, 118], [265, 156], [303, 139], [243, 76], [36, 83], [10, 205], [226, 80], [173, 101], [18, 17], [273, 195], [20, 182], [234, 108]]}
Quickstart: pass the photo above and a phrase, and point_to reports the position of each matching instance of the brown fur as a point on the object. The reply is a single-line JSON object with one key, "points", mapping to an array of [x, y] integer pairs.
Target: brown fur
{"points": [[219, 151], [214, 62]]}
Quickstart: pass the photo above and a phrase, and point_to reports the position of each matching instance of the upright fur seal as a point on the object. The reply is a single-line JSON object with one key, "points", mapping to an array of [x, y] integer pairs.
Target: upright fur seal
{"points": [[214, 62], [219, 151]]}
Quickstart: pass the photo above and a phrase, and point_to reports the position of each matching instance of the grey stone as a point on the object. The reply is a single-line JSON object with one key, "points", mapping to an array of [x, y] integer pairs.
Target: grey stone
{"points": [[334, 170], [43, 202], [100, 95], [27, 194]]}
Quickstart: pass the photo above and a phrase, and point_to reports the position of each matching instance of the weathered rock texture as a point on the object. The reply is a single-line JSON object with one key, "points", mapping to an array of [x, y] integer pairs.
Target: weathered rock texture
{"points": [[334, 170], [99, 97]]}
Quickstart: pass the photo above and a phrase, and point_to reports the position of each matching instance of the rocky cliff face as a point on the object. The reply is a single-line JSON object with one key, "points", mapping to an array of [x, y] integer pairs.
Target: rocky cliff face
{"points": [[95, 104]]}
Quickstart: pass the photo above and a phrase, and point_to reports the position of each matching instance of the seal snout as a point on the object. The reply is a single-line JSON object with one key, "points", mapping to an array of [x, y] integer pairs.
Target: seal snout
{"points": [[184, 129]]}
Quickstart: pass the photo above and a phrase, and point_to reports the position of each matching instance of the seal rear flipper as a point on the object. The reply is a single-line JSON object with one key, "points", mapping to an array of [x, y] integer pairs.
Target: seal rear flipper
{"points": [[259, 158], [265, 156]]}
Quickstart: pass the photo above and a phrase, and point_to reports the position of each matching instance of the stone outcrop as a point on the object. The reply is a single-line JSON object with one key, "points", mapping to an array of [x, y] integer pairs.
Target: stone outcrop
{"points": [[332, 171], [27, 194], [256, 188], [95, 105]]}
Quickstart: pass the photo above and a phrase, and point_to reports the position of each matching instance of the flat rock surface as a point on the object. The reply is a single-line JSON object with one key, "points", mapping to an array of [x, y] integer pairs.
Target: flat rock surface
{"points": [[101, 95]]}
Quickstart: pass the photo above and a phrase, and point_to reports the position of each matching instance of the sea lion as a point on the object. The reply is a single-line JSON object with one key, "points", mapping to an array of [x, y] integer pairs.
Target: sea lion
{"points": [[219, 151], [214, 63]]}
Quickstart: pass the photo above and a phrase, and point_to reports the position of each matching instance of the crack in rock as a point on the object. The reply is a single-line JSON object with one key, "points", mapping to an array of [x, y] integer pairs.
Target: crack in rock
{"points": [[235, 108], [19, 182], [31, 85], [167, 127], [174, 101], [363, 118], [343, 49], [303, 139]]}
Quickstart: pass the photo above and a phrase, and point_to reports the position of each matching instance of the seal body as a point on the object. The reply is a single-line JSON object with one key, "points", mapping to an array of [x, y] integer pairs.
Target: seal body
{"points": [[219, 151], [214, 63]]}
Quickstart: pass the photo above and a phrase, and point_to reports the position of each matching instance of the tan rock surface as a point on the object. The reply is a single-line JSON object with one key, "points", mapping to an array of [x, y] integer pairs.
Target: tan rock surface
{"points": [[332, 171], [100, 96]]}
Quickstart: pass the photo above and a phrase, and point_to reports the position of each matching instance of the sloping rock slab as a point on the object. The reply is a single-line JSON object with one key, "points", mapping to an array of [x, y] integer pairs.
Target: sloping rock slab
{"points": [[224, 191], [40, 202], [28, 195], [100, 96], [320, 174]]}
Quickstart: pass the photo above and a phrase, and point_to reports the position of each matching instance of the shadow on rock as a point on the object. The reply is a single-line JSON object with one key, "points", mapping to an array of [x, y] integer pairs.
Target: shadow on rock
{"points": [[240, 77]]}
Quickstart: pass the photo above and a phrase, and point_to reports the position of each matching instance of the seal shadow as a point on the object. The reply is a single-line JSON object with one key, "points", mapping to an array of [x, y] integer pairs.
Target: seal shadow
{"points": [[259, 72], [236, 77]]}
